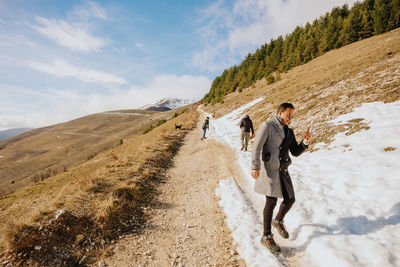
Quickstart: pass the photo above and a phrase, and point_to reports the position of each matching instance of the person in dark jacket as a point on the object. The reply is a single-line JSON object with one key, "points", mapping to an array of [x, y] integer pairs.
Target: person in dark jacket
{"points": [[205, 127], [246, 125], [273, 142]]}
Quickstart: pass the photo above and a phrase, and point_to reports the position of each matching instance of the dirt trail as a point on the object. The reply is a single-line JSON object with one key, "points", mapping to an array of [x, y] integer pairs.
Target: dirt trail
{"points": [[186, 225]]}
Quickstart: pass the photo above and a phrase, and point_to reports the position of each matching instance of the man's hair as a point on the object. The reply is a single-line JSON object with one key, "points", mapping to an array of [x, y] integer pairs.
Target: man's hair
{"points": [[207, 117], [284, 106]]}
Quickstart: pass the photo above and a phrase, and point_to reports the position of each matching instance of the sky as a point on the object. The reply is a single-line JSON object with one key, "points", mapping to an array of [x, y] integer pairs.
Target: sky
{"points": [[60, 60]]}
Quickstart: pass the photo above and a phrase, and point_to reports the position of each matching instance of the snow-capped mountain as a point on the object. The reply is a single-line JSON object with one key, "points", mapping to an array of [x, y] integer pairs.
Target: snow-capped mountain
{"points": [[168, 104]]}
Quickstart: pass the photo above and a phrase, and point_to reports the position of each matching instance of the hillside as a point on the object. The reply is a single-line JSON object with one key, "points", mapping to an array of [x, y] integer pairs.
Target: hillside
{"points": [[41, 153], [346, 185], [327, 86], [78, 213]]}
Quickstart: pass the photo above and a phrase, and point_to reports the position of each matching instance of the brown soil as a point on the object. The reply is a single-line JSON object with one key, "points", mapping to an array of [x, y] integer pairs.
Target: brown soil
{"points": [[186, 226]]}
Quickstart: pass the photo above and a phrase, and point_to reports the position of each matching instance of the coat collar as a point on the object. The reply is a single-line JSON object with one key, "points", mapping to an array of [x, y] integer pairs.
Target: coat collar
{"points": [[278, 125]]}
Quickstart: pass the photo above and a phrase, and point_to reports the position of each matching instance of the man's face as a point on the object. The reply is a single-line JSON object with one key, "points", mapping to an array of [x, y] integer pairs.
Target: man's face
{"points": [[286, 116]]}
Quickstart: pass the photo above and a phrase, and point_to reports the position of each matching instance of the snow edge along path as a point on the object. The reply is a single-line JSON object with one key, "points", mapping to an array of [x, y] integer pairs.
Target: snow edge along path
{"points": [[242, 219]]}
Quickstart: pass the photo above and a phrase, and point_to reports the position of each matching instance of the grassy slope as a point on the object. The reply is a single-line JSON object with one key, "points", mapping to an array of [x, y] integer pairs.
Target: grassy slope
{"points": [[91, 191], [328, 86], [46, 151]]}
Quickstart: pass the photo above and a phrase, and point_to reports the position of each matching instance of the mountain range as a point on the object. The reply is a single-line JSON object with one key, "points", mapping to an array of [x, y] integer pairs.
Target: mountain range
{"points": [[167, 104]]}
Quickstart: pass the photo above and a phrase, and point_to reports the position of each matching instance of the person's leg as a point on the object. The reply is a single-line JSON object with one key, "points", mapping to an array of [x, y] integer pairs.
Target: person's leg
{"points": [[270, 204], [246, 139], [286, 204], [242, 139], [268, 238], [204, 133]]}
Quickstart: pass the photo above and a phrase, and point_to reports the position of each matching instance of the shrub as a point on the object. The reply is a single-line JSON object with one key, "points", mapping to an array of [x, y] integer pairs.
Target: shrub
{"points": [[270, 79]]}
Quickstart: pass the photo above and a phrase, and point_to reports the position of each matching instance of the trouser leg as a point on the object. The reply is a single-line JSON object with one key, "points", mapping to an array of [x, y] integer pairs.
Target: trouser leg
{"points": [[204, 132], [246, 138], [270, 204], [242, 138], [286, 204]]}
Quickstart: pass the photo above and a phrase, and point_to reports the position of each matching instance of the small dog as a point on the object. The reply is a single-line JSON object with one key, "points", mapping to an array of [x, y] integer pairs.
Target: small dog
{"points": [[178, 126]]}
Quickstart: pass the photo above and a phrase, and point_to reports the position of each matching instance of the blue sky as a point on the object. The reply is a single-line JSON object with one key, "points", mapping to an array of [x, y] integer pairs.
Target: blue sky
{"points": [[64, 59]]}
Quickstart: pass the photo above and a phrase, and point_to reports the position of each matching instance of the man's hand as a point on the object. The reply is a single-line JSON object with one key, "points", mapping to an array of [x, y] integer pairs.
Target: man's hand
{"points": [[255, 173], [251, 136], [307, 137]]}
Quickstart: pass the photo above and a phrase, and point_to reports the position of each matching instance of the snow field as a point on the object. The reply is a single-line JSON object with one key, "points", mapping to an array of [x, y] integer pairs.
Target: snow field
{"points": [[347, 210]]}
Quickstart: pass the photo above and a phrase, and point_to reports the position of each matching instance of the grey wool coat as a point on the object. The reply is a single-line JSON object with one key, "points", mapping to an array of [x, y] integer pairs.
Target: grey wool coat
{"points": [[270, 155]]}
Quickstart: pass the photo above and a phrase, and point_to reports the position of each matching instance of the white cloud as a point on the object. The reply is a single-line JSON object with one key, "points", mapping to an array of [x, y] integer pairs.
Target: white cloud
{"points": [[29, 120], [90, 10], [61, 68], [139, 45], [15, 39], [231, 30], [73, 36], [3, 21], [64, 105]]}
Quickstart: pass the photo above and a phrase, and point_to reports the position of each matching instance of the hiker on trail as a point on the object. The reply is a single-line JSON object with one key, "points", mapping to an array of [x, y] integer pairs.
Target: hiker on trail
{"points": [[205, 127], [273, 141], [246, 125]]}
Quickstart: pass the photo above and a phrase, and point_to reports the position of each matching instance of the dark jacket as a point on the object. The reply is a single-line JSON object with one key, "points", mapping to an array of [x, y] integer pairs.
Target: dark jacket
{"points": [[246, 125], [206, 124], [289, 144]]}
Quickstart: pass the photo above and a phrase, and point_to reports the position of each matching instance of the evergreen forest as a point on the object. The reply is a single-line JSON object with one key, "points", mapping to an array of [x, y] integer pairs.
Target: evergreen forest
{"points": [[335, 29]]}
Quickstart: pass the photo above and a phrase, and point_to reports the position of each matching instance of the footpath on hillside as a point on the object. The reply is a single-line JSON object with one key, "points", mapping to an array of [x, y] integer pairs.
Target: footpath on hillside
{"points": [[186, 226]]}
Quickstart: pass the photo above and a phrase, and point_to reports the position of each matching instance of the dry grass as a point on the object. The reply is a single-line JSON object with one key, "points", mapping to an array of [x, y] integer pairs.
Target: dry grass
{"points": [[101, 200], [327, 87], [387, 149], [36, 155]]}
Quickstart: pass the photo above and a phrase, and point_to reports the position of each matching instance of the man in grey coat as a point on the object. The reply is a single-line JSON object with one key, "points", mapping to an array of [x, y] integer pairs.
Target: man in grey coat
{"points": [[273, 141]]}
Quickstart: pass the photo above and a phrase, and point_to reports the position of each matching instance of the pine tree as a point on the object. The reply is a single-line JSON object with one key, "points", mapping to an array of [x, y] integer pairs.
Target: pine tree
{"points": [[276, 54], [367, 28], [381, 15], [394, 19]]}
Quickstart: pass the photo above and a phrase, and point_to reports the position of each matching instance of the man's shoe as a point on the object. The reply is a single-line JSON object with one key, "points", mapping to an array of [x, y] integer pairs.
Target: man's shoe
{"points": [[280, 227], [242, 147], [245, 148], [269, 242]]}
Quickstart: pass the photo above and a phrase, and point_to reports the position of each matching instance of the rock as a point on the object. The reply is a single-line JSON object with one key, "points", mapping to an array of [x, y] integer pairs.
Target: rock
{"points": [[233, 252], [147, 253], [101, 264], [82, 259], [38, 247]]}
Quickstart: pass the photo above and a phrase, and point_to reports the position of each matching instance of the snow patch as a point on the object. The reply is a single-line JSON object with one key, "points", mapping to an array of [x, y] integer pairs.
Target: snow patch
{"points": [[347, 210], [245, 225]]}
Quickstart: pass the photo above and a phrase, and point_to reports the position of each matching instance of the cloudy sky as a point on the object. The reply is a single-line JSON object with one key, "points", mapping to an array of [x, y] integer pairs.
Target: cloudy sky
{"points": [[64, 59]]}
